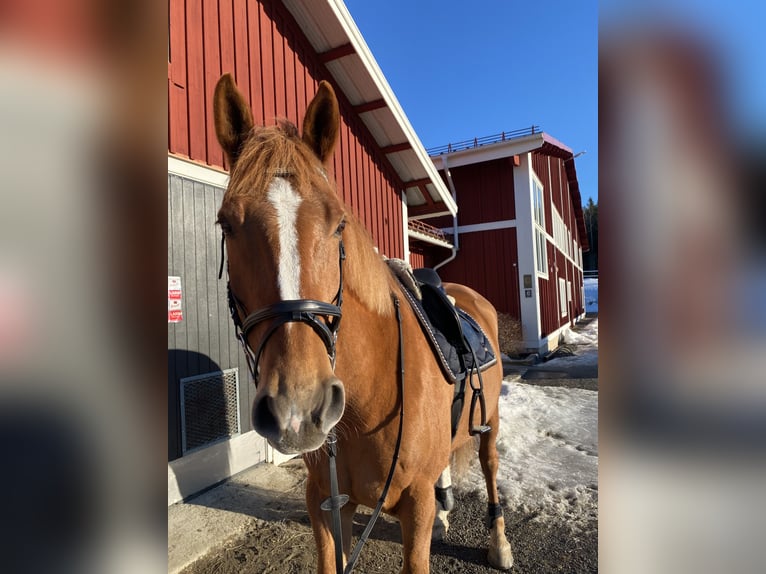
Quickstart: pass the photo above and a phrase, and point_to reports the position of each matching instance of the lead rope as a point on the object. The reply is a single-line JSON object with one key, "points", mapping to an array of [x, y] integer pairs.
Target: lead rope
{"points": [[336, 501]]}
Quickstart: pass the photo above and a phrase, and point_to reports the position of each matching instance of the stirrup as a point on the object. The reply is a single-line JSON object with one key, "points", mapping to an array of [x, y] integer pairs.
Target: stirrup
{"points": [[478, 396]]}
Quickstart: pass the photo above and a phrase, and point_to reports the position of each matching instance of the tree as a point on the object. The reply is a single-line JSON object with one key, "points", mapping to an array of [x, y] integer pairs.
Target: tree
{"points": [[590, 213]]}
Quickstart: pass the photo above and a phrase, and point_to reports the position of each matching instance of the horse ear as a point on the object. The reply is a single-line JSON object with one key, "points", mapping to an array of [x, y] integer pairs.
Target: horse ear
{"points": [[322, 122], [233, 118]]}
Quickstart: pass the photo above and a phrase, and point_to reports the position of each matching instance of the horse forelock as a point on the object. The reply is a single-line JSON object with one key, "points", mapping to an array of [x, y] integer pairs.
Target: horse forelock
{"points": [[278, 152], [272, 152]]}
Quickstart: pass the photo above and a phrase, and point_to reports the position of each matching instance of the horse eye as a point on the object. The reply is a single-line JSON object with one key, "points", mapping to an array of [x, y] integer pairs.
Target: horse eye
{"points": [[341, 227], [225, 226]]}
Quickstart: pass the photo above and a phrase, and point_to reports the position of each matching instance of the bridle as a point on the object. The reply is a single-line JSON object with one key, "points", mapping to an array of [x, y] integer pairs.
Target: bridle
{"points": [[323, 318]]}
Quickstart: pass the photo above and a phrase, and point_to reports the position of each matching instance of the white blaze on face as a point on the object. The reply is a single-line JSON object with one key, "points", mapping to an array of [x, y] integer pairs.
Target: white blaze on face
{"points": [[286, 201]]}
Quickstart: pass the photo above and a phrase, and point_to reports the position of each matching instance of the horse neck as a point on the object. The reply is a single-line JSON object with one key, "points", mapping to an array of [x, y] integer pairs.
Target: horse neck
{"points": [[369, 338]]}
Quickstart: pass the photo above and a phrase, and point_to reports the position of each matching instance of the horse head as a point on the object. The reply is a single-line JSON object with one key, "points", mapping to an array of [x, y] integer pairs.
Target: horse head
{"points": [[283, 227]]}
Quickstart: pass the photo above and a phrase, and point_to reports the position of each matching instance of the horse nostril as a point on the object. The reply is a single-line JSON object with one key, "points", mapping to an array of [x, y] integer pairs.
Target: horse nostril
{"points": [[264, 420], [334, 404]]}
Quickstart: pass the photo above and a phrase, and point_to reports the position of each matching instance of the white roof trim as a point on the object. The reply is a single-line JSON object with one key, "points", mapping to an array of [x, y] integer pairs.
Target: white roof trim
{"points": [[354, 37], [492, 151], [429, 215], [197, 171]]}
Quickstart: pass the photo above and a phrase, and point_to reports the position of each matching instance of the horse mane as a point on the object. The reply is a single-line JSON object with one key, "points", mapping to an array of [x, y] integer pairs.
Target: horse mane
{"points": [[279, 151], [365, 273]]}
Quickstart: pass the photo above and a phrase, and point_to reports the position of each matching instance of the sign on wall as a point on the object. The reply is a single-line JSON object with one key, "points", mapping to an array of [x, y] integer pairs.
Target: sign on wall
{"points": [[175, 314]]}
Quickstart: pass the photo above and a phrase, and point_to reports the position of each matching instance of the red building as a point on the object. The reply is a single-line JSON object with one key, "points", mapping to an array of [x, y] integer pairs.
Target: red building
{"points": [[278, 51], [519, 233]]}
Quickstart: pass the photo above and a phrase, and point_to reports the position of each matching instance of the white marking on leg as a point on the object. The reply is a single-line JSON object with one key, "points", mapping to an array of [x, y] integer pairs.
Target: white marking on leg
{"points": [[441, 522], [286, 201], [445, 478]]}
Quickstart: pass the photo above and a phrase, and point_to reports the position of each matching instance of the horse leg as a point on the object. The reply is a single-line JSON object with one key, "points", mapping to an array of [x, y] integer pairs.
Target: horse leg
{"points": [[500, 555], [415, 511], [445, 501], [321, 525], [347, 524]]}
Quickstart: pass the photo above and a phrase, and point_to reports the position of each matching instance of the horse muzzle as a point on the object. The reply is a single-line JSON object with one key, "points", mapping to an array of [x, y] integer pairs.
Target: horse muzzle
{"points": [[295, 427]]}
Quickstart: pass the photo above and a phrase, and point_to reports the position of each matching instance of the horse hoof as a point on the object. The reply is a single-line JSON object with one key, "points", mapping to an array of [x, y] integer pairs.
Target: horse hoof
{"points": [[439, 532], [500, 556]]}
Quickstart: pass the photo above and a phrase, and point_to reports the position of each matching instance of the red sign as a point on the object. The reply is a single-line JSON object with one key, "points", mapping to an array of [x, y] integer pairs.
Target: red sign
{"points": [[175, 313]]}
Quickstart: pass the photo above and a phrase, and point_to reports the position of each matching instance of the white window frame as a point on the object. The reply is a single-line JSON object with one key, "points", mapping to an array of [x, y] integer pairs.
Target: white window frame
{"points": [[563, 307], [538, 215]]}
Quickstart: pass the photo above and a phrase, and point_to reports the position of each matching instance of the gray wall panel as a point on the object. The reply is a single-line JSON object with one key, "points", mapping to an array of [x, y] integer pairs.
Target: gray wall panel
{"points": [[204, 340]]}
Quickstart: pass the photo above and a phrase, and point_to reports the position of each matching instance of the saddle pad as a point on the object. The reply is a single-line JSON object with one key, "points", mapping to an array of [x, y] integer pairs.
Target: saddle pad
{"points": [[453, 334]]}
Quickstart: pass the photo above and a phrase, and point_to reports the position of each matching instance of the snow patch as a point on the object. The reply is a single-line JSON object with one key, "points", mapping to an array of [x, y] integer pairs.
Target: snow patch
{"points": [[548, 447], [548, 444]]}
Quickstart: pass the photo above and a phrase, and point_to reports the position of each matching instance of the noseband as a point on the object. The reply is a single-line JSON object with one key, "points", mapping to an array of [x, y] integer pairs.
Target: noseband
{"points": [[323, 317]]}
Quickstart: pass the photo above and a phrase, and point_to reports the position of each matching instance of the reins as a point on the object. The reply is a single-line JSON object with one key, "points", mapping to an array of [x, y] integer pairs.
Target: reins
{"points": [[336, 501]]}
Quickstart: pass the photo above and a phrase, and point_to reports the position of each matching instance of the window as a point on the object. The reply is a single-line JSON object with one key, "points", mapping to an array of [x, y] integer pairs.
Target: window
{"points": [[563, 296], [537, 192], [541, 248], [541, 253]]}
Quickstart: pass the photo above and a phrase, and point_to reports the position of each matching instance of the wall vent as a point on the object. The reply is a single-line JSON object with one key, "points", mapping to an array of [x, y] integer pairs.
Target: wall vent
{"points": [[209, 408]]}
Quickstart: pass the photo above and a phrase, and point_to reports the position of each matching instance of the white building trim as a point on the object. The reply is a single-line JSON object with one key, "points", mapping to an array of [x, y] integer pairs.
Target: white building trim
{"points": [[208, 466], [489, 226], [529, 307], [197, 171], [324, 19], [405, 228], [376, 74]]}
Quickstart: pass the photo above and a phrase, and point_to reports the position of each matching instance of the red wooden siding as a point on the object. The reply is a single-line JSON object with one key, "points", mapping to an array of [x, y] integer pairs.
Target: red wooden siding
{"points": [[484, 192], [277, 70], [417, 258], [550, 170], [488, 262]]}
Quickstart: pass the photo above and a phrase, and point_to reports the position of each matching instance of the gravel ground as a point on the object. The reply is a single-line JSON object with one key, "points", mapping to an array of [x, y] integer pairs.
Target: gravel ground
{"points": [[287, 546]]}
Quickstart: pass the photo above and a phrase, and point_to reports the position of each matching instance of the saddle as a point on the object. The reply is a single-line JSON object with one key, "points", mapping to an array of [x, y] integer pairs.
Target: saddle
{"points": [[458, 342]]}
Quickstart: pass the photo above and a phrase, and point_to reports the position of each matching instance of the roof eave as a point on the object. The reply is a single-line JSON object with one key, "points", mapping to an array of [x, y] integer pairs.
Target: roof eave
{"points": [[360, 49]]}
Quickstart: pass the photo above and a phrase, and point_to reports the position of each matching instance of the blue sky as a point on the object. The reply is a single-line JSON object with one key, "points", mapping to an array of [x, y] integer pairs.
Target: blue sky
{"points": [[463, 70]]}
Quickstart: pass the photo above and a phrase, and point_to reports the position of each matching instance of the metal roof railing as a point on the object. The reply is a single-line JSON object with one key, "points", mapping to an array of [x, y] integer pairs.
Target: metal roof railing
{"points": [[486, 140], [429, 230]]}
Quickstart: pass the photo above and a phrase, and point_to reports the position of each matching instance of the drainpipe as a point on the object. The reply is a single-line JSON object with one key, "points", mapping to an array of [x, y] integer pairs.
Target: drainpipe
{"points": [[455, 238]]}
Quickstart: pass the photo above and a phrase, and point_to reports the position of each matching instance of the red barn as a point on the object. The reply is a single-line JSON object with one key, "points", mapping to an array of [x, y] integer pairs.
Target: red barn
{"points": [[278, 52], [519, 234]]}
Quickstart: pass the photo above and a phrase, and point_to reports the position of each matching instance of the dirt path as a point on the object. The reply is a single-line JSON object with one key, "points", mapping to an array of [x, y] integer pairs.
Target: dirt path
{"points": [[279, 540]]}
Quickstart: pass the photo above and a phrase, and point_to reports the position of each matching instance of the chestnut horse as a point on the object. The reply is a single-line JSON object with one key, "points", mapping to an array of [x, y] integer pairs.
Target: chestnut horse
{"points": [[285, 231]]}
